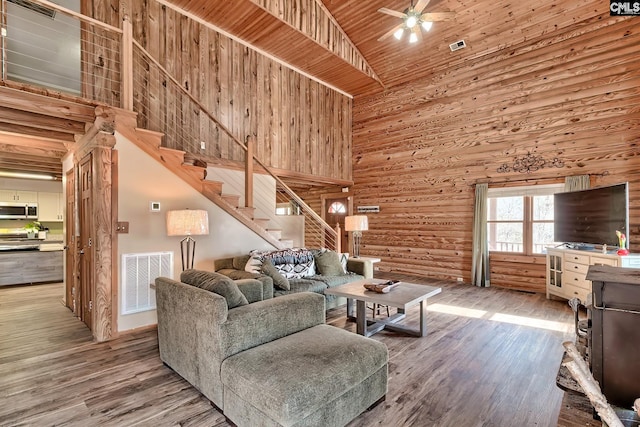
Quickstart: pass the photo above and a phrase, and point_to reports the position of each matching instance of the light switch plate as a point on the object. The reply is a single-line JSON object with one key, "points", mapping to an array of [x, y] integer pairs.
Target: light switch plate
{"points": [[122, 227]]}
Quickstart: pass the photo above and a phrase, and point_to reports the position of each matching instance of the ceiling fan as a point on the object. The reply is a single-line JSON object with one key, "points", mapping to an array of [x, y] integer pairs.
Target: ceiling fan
{"points": [[413, 19]]}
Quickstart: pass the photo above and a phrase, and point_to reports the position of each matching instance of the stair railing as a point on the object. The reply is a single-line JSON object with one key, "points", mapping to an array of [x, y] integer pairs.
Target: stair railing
{"points": [[89, 66], [183, 112]]}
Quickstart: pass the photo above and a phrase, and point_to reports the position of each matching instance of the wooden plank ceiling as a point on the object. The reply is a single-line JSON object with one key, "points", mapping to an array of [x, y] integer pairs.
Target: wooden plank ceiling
{"points": [[335, 41], [36, 130], [486, 26]]}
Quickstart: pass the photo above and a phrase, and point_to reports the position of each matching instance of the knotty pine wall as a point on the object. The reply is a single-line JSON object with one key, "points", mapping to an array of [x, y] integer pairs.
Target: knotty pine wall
{"points": [[420, 148], [299, 124]]}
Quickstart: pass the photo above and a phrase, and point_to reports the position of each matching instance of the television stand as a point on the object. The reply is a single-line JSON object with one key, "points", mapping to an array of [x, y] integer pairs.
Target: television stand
{"points": [[567, 270]]}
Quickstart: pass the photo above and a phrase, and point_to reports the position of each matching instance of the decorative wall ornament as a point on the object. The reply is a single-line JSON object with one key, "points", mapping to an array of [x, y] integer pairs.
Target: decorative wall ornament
{"points": [[530, 163]]}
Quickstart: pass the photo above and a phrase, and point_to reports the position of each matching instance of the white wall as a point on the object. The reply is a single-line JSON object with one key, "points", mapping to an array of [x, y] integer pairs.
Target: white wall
{"points": [[142, 180], [264, 190]]}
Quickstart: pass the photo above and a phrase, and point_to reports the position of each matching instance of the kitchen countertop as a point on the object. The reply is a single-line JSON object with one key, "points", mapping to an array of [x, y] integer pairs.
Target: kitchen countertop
{"points": [[25, 245]]}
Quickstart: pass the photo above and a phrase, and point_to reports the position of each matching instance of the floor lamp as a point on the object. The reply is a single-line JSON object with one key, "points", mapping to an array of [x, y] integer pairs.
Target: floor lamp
{"points": [[187, 223], [357, 224]]}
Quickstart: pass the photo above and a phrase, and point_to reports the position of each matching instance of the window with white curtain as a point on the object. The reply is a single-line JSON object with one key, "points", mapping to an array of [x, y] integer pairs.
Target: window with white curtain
{"points": [[520, 219]]}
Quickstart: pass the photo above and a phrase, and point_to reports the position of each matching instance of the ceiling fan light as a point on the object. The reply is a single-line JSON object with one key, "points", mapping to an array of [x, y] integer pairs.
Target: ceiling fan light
{"points": [[413, 38], [426, 25], [398, 34], [411, 21]]}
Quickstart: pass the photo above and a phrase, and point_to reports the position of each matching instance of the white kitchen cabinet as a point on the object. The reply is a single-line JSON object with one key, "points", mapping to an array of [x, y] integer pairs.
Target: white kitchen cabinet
{"points": [[50, 207], [18, 196]]}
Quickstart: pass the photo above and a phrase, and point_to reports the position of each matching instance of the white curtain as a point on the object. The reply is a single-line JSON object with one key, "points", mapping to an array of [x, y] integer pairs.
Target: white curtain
{"points": [[577, 183], [480, 256]]}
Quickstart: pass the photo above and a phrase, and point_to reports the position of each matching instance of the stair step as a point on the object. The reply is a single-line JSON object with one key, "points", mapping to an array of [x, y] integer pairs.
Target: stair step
{"points": [[151, 136], [276, 233], [212, 187], [286, 243], [262, 222], [232, 199], [198, 172], [169, 155], [247, 211]]}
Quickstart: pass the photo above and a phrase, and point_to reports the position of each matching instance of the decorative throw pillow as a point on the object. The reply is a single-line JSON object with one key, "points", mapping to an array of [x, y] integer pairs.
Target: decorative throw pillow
{"points": [[239, 262], [279, 281], [254, 264], [344, 258], [328, 264], [294, 263], [216, 283]]}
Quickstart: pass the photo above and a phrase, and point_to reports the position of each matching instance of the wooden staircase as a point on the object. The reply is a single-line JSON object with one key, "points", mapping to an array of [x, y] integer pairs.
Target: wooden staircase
{"points": [[194, 174]]}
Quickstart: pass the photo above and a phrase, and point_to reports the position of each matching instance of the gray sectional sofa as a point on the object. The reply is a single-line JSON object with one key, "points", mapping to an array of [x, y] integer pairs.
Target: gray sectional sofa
{"points": [[273, 362], [324, 274]]}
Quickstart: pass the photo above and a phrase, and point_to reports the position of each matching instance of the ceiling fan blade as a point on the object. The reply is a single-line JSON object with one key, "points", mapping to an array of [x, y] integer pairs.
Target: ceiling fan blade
{"points": [[419, 7], [416, 30], [391, 12], [438, 16], [390, 32]]}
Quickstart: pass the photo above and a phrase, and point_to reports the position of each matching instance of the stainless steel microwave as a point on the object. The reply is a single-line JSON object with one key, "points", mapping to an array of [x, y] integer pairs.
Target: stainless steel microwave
{"points": [[12, 210]]}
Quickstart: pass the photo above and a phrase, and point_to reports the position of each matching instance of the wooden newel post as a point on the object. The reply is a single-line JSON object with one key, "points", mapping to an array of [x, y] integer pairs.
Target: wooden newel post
{"points": [[126, 63], [248, 176], [338, 238]]}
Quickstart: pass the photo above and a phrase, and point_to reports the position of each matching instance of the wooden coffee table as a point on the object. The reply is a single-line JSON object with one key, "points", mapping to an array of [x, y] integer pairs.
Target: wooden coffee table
{"points": [[402, 297]]}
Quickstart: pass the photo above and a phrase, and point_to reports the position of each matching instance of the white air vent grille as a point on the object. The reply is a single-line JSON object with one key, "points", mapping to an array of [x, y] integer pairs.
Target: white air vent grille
{"points": [[460, 44], [139, 271]]}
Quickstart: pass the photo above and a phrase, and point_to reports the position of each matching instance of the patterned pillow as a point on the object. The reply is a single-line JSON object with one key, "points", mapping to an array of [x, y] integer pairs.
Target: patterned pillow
{"points": [[294, 263], [344, 257], [254, 263]]}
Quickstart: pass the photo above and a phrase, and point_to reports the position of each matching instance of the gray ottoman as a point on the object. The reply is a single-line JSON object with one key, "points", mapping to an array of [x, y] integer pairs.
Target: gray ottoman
{"points": [[321, 376]]}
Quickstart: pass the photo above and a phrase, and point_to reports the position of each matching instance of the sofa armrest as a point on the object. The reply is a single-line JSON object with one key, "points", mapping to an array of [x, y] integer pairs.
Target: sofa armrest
{"points": [[251, 289], [360, 267], [251, 325], [189, 321], [267, 282]]}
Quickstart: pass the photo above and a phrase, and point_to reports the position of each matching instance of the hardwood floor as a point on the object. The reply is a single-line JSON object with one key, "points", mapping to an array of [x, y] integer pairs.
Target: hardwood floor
{"points": [[489, 359]]}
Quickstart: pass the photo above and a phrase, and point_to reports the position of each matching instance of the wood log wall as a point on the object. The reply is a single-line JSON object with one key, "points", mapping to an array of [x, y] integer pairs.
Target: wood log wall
{"points": [[420, 148], [299, 124]]}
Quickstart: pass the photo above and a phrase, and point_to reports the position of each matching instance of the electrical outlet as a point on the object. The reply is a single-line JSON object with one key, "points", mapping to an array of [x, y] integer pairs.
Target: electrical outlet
{"points": [[203, 145], [459, 279]]}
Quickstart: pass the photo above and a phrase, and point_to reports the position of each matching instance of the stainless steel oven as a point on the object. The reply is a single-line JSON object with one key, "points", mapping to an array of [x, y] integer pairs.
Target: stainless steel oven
{"points": [[13, 210]]}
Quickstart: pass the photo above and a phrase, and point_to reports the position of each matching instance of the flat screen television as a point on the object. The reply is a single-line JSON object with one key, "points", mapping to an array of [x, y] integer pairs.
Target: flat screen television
{"points": [[592, 216]]}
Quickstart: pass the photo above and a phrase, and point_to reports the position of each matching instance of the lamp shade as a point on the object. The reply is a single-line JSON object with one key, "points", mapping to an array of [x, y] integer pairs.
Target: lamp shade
{"points": [[187, 223], [356, 223]]}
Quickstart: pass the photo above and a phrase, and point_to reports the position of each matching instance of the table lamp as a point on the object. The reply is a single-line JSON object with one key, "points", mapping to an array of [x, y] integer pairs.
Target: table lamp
{"points": [[357, 224], [187, 223]]}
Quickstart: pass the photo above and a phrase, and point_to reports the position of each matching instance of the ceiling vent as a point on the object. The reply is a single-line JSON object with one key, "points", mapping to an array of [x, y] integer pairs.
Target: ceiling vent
{"points": [[45, 11], [457, 45]]}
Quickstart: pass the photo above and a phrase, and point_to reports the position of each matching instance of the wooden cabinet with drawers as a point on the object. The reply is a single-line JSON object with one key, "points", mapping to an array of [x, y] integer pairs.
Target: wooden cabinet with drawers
{"points": [[567, 270]]}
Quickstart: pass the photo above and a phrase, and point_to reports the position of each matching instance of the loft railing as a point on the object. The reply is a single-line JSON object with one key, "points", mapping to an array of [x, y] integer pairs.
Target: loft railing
{"points": [[63, 51], [57, 49]]}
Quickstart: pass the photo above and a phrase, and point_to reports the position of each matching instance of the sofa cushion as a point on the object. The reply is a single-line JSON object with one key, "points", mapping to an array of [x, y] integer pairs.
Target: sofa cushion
{"points": [[328, 264], [332, 281], [302, 285], [216, 283], [292, 377], [279, 281]]}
